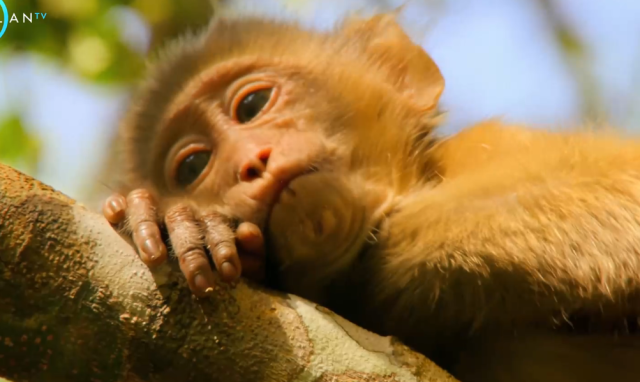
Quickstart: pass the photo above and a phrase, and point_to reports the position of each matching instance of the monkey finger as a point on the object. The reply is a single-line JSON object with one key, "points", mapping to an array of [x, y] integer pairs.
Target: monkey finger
{"points": [[221, 243], [186, 239], [145, 231], [251, 245], [114, 209], [250, 240]]}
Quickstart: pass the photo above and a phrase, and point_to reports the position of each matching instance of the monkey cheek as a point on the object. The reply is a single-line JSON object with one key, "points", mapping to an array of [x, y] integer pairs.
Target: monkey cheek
{"points": [[318, 224]]}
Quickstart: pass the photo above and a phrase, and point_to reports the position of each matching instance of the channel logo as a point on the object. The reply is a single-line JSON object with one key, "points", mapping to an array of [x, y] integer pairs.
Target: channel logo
{"points": [[27, 18], [5, 18]]}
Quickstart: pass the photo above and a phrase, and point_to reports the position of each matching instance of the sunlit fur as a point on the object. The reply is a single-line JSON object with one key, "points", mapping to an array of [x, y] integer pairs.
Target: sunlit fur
{"points": [[509, 254], [528, 229]]}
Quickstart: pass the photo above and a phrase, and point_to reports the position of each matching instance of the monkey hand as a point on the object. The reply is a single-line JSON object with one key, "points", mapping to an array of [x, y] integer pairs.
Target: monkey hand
{"points": [[190, 231]]}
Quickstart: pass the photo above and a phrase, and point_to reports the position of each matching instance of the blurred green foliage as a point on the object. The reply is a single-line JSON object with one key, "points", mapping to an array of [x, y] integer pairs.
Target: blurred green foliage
{"points": [[84, 36], [17, 147]]}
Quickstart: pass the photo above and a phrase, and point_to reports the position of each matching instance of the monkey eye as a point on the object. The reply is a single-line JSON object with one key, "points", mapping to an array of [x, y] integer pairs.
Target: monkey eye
{"points": [[191, 167], [249, 104]]}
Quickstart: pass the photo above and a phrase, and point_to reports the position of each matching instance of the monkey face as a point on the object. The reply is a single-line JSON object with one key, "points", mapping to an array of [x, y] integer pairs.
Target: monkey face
{"points": [[256, 143], [241, 139], [308, 136], [276, 147]]}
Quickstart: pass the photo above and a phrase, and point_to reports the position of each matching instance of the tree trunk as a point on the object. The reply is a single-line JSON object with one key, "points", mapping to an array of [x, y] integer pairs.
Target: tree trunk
{"points": [[76, 304]]}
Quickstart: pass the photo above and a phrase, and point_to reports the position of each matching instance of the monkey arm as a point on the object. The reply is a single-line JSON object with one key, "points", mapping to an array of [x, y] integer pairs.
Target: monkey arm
{"points": [[526, 226]]}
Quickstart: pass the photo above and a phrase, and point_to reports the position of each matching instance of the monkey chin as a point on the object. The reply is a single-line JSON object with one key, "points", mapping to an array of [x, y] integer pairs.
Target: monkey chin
{"points": [[318, 226]]}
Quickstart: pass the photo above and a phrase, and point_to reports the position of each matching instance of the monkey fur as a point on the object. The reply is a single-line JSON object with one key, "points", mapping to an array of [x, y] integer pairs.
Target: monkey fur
{"points": [[503, 253]]}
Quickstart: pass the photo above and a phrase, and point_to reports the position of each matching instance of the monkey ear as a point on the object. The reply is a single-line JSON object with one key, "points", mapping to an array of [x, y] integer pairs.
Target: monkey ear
{"points": [[410, 68]]}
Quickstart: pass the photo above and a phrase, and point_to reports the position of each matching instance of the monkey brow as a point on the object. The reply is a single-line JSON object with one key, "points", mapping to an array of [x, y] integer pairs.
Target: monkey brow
{"points": [[215, 78], [192, 118]]}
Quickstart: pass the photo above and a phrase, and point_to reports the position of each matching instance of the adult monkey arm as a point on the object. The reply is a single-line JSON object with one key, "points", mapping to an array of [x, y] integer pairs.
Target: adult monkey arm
{"points": [[526, 228]]}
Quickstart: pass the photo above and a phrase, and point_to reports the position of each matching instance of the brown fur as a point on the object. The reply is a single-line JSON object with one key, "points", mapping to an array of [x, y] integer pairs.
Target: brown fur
{"points": [[527, 230], [504, 253]]}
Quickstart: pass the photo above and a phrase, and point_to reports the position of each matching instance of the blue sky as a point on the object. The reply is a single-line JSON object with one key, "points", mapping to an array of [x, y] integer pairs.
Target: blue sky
{"points": [[499, 59]]}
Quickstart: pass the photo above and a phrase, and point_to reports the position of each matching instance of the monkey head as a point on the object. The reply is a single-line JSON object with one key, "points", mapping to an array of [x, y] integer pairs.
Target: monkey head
{"points": [[307, 135]]}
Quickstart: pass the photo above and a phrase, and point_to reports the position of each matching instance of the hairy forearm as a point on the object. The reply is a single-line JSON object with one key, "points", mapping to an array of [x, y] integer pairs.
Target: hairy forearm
{"points": [[511, 243]]}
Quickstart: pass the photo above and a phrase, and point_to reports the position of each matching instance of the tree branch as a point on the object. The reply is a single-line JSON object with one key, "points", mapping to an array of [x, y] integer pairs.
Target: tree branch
{"points": [[76, 304]]}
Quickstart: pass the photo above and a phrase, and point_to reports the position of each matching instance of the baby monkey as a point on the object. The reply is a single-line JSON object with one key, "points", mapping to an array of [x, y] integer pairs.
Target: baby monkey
{"points": [[503, 253]]}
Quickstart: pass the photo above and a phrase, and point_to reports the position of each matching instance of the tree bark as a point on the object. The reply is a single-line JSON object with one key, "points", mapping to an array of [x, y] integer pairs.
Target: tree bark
{"points": [[76, 304]]}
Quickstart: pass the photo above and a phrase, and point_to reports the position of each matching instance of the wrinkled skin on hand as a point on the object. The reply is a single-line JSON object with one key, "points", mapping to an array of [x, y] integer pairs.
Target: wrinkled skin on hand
{"points": [[232, 250]]}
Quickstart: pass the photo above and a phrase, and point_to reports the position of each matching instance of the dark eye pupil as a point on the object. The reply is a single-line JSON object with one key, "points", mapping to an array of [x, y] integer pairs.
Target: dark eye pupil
{"points": [[191, 167], [252, 104]]}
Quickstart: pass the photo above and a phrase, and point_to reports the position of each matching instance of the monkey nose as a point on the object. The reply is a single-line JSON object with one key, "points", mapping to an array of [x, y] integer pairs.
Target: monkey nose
{"points": [[254, 167]]}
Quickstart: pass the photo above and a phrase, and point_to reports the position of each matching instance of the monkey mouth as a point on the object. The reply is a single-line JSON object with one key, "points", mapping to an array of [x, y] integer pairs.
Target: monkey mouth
{"points": [[282, 188]]}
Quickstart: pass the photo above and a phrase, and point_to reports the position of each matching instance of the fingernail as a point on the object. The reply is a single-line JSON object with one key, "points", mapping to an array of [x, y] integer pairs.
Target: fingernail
{"points": [[253, 230], [151, 248], [202, 283], [116, 205], [228, 271]]}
